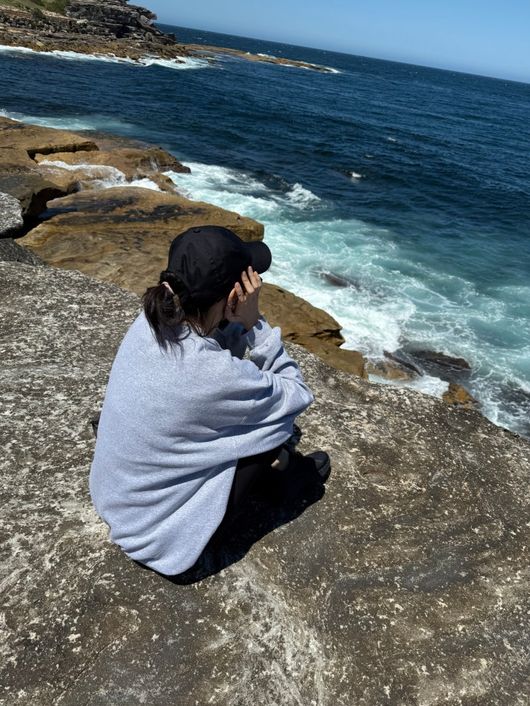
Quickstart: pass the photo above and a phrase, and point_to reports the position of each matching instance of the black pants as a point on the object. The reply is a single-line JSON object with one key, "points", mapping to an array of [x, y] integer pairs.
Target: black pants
{"points": [[250, 471]]}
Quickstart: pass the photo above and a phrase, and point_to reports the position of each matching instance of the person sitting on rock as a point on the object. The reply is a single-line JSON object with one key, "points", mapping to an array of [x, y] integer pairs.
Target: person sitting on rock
{"points": [[188, 425]]}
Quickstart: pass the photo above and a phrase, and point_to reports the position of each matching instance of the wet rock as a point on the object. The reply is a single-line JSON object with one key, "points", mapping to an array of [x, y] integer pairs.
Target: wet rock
{"points": [[404, 584], [438, 364], [31, 189], [10, 215], [337, 280], [403, 361], [390, 369], [458, 395], [34, 139], [85, 177], [208, 50], [20, 176]]}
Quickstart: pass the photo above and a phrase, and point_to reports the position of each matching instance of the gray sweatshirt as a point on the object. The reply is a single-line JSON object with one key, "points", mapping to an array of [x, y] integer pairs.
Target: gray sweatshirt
{"points": [[173, 425]]}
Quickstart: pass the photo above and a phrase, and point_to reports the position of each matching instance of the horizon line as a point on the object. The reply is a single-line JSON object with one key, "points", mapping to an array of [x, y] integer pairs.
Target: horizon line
{"points": [[359, 56]]}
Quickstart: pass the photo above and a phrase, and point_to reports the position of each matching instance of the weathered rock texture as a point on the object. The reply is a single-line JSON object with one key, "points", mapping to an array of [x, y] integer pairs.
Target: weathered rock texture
{"points": [[11, 251], [20, 176], [407, 583], [38, 163], [207, 50], [10, 215], [88, 26], [123, 234], [135, 163]]}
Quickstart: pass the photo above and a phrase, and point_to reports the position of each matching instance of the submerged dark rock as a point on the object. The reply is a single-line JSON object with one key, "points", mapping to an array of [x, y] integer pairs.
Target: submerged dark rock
{"points": [[404, 361], [405, 583], [337, 280], [436, 363]]}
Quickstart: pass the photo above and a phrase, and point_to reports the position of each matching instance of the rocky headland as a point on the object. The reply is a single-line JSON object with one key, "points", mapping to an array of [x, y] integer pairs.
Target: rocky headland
{"points": [[114, 29]]}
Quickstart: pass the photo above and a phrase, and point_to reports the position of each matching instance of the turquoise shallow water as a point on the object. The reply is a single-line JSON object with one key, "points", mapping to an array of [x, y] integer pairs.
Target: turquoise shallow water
{"points": [[410, 183]]}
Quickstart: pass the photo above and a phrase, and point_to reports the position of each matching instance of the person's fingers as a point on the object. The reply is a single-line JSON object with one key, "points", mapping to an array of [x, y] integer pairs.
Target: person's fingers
{"points": [[254, 277], [240, 293], [232, 299], [247, 283]]}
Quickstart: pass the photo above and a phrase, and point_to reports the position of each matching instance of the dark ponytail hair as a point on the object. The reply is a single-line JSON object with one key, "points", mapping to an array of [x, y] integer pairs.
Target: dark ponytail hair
{"points": [[166, 312]]}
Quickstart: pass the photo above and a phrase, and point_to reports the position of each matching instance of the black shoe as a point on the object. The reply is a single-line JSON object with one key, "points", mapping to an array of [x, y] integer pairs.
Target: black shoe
{"points": [[321, 463], [316, 462]]}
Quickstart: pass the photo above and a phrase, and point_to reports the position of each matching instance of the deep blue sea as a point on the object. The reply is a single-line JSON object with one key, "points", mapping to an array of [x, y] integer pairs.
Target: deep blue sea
{"points": [[412, 184]]}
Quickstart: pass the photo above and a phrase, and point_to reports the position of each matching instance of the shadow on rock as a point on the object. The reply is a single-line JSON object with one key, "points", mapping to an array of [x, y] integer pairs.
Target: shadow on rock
{"points": [[263, 511]]}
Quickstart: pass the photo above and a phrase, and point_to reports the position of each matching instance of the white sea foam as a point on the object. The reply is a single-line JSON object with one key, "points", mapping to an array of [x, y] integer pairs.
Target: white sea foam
{"points": [[102, 176], [178, 63], [394, 298], [88, 122], [90, 168], [144, 183], [427, 384], [301, 197], [185, 62]]}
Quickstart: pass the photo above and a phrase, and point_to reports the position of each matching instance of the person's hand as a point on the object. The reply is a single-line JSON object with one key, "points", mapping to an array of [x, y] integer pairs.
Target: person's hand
{"points": [[242, 304]]}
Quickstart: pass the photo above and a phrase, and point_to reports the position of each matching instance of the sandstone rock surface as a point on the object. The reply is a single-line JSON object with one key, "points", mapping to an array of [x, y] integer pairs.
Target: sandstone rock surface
{"points": [[406, 583], [123, 235], [135, 163], [20, 176], [34, 139], [458, 395]]}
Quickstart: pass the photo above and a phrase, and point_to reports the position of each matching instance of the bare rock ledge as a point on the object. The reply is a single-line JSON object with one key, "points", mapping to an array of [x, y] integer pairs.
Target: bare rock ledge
{"points": [[406, 583]]}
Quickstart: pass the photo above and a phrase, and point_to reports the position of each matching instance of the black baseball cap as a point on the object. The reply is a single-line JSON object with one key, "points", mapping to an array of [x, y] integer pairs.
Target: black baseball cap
{"points": [[204, 263]]}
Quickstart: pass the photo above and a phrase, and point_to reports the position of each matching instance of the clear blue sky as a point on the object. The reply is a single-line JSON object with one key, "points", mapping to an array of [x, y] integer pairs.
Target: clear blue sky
{"points": [[490, 37]]}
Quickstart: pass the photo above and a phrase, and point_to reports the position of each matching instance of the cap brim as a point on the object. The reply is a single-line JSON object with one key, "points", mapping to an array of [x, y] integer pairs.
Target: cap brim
{"points": [[261, 256]]}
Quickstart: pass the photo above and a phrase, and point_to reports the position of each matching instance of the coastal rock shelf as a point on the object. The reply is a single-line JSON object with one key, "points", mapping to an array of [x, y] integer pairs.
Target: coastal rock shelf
{"points": [[122, 234], [406, 583]]}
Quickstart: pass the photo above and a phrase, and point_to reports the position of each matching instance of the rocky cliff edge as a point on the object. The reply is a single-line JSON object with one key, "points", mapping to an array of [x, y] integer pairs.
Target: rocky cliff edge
{"points": [[406, 583]]}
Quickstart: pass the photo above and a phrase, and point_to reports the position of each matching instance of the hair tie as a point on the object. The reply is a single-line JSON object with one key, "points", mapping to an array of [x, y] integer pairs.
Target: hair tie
{"points": [[168, 287]]}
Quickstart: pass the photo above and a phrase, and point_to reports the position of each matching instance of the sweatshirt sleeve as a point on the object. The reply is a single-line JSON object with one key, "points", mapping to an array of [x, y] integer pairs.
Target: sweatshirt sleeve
{"points": [[265, 394], [232, 338]]}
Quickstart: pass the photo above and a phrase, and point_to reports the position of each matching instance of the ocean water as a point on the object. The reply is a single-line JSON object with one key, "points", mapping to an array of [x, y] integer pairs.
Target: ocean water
{"points": [[410, 184]]}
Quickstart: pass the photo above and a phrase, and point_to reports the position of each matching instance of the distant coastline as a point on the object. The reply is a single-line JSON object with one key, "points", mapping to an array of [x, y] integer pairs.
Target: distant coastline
{"points": [[116, 30]]}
